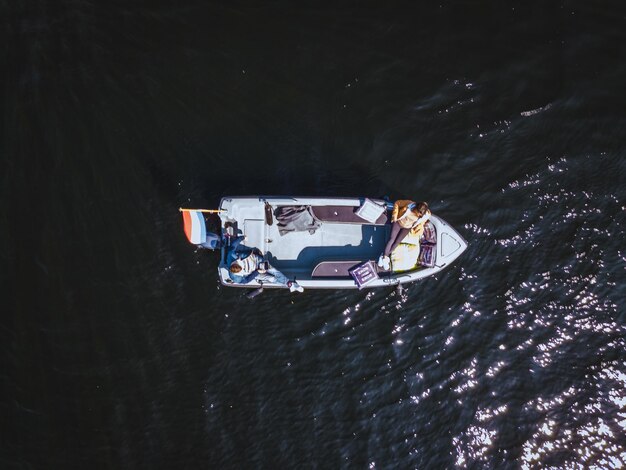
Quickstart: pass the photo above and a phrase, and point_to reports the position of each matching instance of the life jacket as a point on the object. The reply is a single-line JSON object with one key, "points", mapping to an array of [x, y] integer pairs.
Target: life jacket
{"points": [[406, 218]]}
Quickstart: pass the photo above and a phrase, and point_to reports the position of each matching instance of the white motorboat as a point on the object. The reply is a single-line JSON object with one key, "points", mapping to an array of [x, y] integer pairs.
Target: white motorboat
{"points": [[324, 242]]}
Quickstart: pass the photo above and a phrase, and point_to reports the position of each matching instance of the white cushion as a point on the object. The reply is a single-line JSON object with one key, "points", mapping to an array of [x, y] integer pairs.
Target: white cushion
{"points": [[370, 211]]}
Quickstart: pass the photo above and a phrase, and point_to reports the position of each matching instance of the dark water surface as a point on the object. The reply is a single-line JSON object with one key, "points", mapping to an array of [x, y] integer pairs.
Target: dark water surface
{"points": [[121, 350]]}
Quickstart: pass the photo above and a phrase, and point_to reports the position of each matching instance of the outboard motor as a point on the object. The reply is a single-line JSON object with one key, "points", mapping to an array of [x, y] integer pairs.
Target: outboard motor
{"points": [[213, 241]]}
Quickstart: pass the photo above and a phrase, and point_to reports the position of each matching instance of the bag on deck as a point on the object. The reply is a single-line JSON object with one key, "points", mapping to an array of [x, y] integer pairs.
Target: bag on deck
{"points": [[364, 273]]}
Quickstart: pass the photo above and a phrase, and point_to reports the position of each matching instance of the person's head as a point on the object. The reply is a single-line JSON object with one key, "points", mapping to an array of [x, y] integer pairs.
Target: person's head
{"points": [[235, 267], [420, 208]]}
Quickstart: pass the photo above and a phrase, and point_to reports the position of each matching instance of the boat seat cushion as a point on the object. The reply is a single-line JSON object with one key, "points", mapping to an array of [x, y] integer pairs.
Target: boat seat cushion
{"points": [[334, 268], [345, 215]]}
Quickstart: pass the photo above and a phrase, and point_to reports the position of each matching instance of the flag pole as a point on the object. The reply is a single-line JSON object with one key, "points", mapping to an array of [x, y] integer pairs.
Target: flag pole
{"points": [[208, 211]]}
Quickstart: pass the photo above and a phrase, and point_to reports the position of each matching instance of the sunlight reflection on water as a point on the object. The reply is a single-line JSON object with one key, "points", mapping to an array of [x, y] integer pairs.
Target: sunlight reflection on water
{"points": [[557, 309]]}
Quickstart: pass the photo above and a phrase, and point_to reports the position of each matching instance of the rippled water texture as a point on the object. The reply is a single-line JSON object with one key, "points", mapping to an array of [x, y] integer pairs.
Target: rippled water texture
{"points": [[121, 350]]}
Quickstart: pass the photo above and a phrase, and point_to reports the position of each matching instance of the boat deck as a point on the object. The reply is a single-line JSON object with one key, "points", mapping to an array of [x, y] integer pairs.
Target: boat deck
{"points": [[297, 254]]}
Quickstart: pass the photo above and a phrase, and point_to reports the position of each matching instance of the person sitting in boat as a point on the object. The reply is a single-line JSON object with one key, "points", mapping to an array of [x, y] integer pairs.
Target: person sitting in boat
{"points": [[407, 217], [248, 265]]}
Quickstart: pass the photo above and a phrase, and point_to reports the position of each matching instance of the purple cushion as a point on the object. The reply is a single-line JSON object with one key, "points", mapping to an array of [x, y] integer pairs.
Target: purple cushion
{"points": [[429, 235], [427, 255], [364, 273]]}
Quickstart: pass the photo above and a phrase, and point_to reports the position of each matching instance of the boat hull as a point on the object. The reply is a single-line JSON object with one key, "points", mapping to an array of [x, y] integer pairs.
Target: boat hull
{"points": [[322, 257]]}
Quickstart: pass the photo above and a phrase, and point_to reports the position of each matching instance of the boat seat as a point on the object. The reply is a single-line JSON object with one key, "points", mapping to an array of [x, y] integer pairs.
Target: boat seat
{"points": [[334, 268], [345, 215]]}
